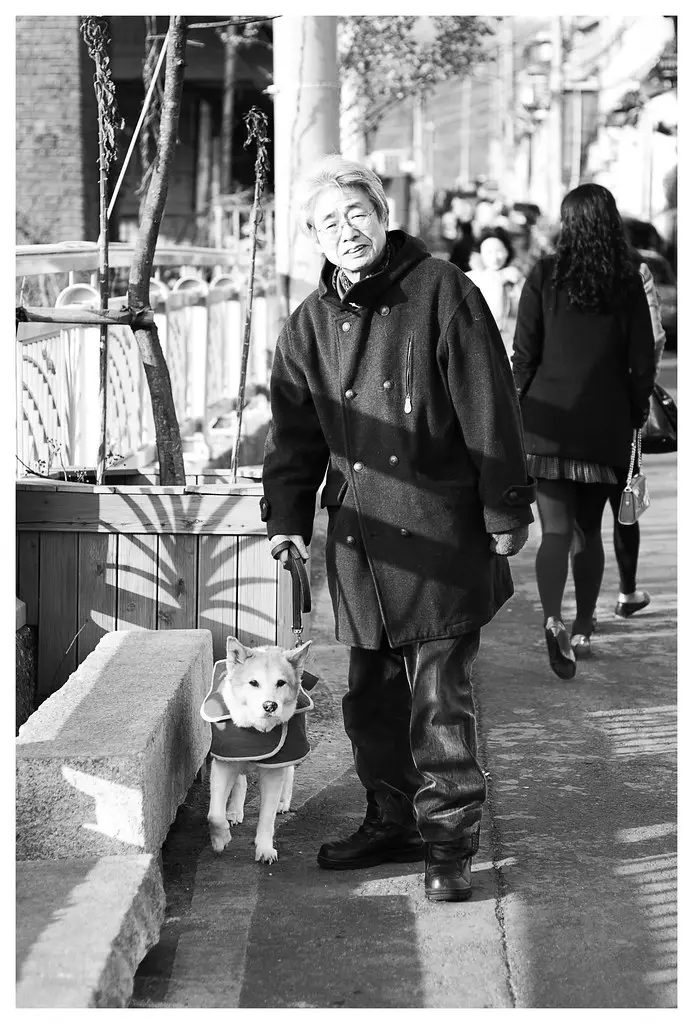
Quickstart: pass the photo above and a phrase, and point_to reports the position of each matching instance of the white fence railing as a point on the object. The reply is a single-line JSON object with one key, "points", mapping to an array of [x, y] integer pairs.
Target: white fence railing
{"points": [[200, 326]]}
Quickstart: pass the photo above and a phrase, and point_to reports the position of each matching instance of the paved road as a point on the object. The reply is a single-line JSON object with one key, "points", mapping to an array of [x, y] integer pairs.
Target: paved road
{"points": [[575, 884]]}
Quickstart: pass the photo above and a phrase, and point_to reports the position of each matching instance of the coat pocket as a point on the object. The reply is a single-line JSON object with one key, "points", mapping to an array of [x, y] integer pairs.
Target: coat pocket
{"points": [[333, 492]]}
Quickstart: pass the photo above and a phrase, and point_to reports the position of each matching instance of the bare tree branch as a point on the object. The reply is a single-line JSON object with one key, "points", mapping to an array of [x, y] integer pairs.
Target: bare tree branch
{"points": [[233, 21], [168, 440]]}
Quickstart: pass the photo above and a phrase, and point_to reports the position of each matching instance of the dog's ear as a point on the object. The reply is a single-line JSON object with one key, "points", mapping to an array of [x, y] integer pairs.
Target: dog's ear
{"points": [[236, 653], [297, 655]]}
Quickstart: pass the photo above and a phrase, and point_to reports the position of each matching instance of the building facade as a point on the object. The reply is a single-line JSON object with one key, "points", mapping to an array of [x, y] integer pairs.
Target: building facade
{"points": [[57, 191]]}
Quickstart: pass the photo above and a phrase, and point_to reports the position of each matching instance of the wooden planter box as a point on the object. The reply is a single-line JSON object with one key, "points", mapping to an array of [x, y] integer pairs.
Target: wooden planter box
{"points": [[94, 559]]}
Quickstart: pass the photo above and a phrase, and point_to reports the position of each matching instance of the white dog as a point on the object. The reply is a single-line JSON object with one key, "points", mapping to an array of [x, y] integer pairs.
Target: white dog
{"points": [[257, 706]]}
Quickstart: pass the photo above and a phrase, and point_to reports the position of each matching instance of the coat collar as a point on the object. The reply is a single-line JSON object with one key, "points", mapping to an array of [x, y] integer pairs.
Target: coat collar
{"points": [[407, 252]]}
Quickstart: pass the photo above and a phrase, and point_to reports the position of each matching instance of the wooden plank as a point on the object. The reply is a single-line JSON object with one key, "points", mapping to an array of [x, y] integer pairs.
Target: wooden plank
{"points": [[75, 315], [137, 581], [97, 593], [57, 624], [138, 512], [177, 594], [257, 592], [217, 592], [28, 574]]}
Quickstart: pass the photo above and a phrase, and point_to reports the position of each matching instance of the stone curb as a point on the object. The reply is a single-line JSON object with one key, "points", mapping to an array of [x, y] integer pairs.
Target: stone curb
{"points": [[83, 926], [102, 767], [104, 763]]}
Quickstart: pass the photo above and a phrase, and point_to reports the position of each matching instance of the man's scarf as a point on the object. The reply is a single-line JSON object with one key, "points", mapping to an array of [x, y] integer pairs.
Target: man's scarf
{"points": [[342, 284]]}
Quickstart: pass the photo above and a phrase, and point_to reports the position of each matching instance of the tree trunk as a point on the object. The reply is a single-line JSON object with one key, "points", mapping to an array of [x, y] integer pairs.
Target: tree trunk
{"points": [[168, 440], [230, 60]]}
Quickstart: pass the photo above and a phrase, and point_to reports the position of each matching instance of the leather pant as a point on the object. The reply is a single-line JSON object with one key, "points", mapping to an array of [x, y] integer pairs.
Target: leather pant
{"points": [[409, 713]]}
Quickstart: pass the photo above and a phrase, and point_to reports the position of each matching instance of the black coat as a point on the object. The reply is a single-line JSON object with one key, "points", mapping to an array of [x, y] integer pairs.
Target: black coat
{"points": [[410, 398], [583, 379]]}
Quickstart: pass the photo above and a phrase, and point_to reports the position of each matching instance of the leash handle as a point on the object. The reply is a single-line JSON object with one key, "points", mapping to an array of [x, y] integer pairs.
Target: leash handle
{"points": [[300, 587]]}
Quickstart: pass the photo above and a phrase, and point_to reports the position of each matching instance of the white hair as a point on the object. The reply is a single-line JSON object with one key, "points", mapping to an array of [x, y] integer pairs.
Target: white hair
{"points": [[335, 171]]}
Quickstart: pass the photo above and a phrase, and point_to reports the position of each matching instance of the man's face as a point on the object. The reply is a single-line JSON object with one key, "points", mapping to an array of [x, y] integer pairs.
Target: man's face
{"points": [[347, 230]]}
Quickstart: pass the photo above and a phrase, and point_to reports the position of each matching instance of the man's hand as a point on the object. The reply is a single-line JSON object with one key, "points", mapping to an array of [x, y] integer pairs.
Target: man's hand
{"points": [[295, 540], [509, 543]]}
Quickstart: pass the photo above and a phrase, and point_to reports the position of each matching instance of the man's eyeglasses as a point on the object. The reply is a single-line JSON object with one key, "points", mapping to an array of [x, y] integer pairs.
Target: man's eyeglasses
{"points": [[357, 218]]}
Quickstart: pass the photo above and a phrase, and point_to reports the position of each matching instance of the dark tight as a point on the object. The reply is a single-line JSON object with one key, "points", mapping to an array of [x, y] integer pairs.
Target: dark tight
{"points": [[626, 545], [570, 512]]}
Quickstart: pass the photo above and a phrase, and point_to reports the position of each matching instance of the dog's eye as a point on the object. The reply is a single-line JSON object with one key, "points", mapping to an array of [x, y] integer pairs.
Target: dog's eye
{"points": [[253, 682], [281, 682]]}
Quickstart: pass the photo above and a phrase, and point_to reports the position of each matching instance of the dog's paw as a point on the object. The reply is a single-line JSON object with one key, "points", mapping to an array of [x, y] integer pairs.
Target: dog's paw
{"points": [[284, 806], [234, 815], [220, 837], [266, 854]]}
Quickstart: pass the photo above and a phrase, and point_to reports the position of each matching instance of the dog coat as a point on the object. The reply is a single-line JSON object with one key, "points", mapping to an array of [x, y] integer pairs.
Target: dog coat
{"points": [[285, 745]]}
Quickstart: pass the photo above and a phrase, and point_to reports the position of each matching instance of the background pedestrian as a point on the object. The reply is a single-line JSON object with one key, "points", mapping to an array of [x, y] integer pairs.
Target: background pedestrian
{"points": [[584, 367], [499, 281]]}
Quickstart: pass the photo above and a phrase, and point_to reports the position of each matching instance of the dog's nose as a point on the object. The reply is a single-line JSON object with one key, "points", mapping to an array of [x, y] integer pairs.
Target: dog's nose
{"points": [[270, 706]]}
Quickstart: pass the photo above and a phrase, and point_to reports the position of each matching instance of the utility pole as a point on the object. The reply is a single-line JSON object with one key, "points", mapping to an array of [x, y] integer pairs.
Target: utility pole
{"points": [[353, 141], [507, 75], [466, 131], [230, 39], [415, 210], [306, 127], [556, 84]]}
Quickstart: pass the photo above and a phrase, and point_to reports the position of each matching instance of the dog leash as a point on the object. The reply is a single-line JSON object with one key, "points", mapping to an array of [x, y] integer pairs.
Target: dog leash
{"points": [[300, 587], [301, 603]]}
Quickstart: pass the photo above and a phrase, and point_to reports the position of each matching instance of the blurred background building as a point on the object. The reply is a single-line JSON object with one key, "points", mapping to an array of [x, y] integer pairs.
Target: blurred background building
{"points": [[561, 100], [554, 101]]}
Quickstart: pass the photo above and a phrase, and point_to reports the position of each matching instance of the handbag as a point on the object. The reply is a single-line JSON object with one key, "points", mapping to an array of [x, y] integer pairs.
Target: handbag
{"points": [[635, 498], [659, 434]]}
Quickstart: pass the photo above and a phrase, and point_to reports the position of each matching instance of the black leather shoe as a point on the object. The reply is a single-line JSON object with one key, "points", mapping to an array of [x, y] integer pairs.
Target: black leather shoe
{"points": [[375, 842], [448, 876], [627, 608], [561, 654]]}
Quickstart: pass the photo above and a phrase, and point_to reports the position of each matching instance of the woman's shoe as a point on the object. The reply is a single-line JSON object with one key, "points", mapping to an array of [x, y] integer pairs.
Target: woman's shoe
{"points": [[627, 608], [581, 645], [561, 654]]}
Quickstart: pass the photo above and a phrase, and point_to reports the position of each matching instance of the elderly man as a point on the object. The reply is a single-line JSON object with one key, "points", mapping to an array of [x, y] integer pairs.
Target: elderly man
{"points": [[392, 378]]}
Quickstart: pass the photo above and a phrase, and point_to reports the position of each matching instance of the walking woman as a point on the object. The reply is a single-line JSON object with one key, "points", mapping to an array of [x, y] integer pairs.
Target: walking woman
{"points": [[584, 368]]}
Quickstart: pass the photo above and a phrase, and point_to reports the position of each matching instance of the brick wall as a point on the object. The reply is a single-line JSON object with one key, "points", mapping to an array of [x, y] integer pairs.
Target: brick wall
{"points": [[57, 172]]}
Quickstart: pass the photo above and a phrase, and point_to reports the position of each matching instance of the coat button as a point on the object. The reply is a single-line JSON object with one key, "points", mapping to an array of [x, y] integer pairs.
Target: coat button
{"points": [[358, 466], [385, 310], [404, 532], [394, 460], [387, 384], [349, 394], [512, 495], [351, 541], [346, 326]]}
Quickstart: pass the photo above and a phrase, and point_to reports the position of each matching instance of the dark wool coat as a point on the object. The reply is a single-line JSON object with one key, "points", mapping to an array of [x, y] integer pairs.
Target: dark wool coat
{"points": [[584, 379], [410, 397]]}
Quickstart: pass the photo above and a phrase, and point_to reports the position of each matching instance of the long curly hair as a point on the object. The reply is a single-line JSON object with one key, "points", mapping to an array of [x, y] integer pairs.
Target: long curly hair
{"points": [[594, 262]]}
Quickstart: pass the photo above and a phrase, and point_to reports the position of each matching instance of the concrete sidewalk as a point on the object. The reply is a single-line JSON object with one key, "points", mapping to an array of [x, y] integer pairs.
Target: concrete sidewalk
{"points": [[574, 902]]}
